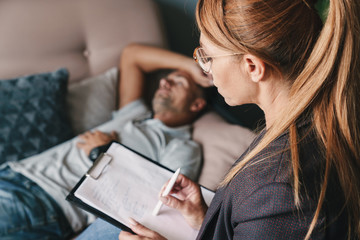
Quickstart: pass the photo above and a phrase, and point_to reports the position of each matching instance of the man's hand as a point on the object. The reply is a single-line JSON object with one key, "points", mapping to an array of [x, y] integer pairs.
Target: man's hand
{"points": [[141, 231], [90, 140], [201, 78]]}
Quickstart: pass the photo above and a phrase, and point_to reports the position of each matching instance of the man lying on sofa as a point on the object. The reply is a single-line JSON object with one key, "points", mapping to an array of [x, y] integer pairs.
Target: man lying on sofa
{"points": [[33, 191]]}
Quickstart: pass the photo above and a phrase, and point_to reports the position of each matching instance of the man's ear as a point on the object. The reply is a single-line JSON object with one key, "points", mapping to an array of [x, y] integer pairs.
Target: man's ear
{"points": [[197, 105], [255, 67]]}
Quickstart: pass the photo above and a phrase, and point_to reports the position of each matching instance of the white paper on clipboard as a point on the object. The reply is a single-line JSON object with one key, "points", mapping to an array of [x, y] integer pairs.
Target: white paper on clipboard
{"points": [[128, 186]]}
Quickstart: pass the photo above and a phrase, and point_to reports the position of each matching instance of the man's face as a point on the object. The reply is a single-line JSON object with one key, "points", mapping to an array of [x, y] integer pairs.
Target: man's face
{"points": [[176, 92]]}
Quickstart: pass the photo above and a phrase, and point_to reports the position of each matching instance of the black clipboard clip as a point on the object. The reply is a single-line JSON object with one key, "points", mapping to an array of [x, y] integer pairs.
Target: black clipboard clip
{"points": [[99, 165]]}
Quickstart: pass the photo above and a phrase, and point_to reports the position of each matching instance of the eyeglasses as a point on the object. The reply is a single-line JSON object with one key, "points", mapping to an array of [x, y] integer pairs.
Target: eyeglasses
{"points": [[204, 61]]}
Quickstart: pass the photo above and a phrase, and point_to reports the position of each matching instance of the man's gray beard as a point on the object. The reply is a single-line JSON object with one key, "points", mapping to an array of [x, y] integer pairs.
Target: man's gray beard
{"points": [[161, 105]]}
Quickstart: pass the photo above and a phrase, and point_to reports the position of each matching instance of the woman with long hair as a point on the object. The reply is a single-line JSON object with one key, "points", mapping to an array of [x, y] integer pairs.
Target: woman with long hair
{"points": [[300, 179]]}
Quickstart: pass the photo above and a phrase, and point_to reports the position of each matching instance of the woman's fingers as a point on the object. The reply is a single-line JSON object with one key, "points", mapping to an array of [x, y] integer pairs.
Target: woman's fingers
{"points": [[172, 202], [124, 235], [143, 231], [140, 229]]}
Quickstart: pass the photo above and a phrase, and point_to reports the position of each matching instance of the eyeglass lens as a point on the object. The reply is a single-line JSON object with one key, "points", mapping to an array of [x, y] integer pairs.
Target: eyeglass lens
{"points": [[203, 60]]}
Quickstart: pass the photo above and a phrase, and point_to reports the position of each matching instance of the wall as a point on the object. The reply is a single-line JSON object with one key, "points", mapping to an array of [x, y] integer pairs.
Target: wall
{"points": [[179, 23]]}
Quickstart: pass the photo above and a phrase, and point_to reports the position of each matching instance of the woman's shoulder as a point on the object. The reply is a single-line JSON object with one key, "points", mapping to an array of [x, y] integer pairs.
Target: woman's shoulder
{"points": [[272, 166]]}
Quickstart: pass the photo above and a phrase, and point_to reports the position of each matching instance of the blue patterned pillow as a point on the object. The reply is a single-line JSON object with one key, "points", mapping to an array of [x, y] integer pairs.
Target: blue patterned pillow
{"points": [[33, 114]]}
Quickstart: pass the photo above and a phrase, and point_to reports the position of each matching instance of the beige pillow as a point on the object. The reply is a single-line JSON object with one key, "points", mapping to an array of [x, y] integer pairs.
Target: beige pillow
{"points": [[92, 100], [222, 144]]}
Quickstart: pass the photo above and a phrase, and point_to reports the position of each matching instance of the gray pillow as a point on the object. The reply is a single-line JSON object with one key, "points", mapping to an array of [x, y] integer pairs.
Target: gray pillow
{"points": [[33, 115], [92, 100]]}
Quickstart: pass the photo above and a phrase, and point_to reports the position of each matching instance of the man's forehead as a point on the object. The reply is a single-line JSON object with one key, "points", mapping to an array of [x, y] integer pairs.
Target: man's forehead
{"points": [[181, 74], [184, 76]]}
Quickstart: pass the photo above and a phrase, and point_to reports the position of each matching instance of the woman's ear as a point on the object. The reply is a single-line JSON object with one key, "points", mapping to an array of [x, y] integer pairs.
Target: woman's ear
{"points": [[255, 67], [197, 105]]}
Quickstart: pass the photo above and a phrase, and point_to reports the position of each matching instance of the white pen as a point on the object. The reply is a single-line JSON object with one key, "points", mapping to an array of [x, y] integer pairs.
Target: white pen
{"points": [[166, 191]]}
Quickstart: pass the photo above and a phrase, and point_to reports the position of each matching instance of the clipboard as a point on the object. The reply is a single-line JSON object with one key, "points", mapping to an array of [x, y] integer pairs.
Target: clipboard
{"points": [[137, 180], [95, 171]]}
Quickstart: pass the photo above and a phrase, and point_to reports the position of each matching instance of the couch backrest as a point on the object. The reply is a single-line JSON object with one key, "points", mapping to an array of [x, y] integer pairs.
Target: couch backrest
{"points": [[85, 36]]}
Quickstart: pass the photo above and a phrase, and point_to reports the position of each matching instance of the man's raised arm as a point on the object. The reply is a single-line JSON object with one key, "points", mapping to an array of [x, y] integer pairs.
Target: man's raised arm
{"points": [[136, 60]]}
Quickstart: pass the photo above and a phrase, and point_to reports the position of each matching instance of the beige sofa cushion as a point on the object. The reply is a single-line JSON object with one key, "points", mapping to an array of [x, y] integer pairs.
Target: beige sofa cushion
{"points": [[222, 144], [82, 35]]}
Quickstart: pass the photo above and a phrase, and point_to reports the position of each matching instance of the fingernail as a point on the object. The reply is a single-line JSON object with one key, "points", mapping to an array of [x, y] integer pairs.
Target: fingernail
{"points": [[132, 222]]}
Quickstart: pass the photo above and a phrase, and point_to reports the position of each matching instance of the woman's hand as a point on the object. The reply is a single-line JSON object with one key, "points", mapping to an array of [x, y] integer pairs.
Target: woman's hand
{"points": [[189, 201], [90, 140], [141, 231]]}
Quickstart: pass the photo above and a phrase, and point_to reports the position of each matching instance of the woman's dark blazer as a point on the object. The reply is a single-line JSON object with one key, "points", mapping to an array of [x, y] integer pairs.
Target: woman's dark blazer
{"points": [[259, 202]]}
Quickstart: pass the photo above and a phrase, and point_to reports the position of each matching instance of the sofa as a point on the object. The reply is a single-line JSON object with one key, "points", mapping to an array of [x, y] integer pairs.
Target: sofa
{"points": [[81, 41]]}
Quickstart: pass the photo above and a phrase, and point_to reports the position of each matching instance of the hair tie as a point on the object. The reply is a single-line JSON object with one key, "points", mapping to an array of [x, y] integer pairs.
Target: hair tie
{"points": [[322, 8]]}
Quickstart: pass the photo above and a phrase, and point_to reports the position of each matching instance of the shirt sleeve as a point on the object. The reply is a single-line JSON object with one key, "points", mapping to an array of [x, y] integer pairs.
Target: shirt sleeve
{"points": [[184, 154], [131, 111]]}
